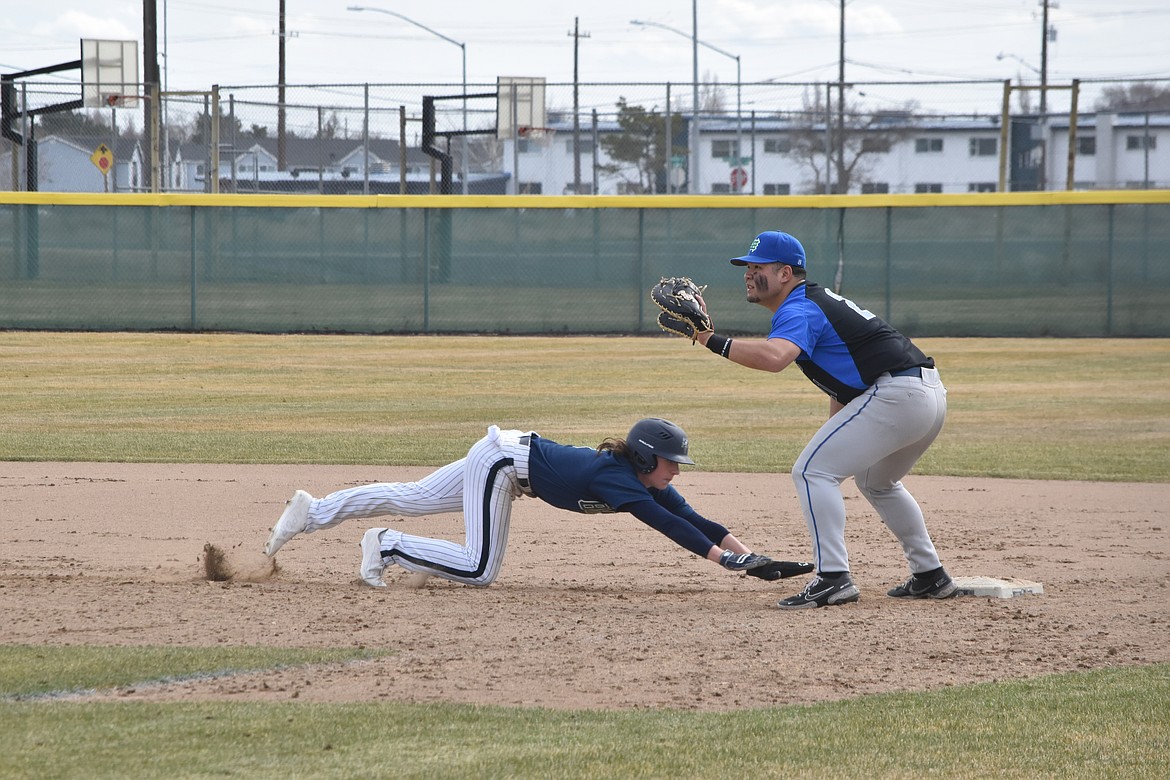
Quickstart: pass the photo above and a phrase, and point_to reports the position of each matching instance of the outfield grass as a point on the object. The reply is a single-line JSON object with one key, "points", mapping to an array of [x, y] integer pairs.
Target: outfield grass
{"points": [[1050, 409], [52, 672], [1102, 724]]}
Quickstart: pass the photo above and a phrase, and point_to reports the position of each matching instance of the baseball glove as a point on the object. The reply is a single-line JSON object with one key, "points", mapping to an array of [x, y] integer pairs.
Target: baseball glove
{"points": [[682, 314], [779, 570]]}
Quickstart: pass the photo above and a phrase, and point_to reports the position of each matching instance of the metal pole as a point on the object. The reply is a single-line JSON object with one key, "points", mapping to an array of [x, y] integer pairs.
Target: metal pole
{"points": [[214, 172], [1044, 60], [1004, 127], [739, 119], [828, 137], [1072, 135], [402, 150], [154, 145], [753, 148], [1146, 153], [26, 143], [841, 184], [1044, 100], [515, 142], [281, 118], [165, 121], [596, 148], [463, 139], [576, 107], [669, 155], [233, 153], [693, 173], [366, 139]]}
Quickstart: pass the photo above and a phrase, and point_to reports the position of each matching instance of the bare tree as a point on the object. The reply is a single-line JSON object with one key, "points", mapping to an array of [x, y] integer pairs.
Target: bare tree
{"points": [[1142, 96], [711, 99], [837, 153]]}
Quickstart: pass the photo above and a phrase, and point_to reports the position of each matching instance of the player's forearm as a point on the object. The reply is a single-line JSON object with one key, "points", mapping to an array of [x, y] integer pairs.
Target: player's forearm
{"points": [[750, 353]]}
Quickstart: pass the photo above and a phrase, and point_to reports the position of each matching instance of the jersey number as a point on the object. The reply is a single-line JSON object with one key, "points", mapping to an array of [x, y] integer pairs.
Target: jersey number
{"points": [[869, 315]]}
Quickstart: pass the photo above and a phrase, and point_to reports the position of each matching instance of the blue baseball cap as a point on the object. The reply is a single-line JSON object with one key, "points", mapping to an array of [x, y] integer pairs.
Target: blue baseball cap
{"points": [[773, 246]]}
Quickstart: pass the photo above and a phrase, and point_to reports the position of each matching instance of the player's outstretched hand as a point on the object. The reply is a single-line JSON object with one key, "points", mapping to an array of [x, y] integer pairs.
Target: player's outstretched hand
{"points": [[733, 561], [779, 570]]}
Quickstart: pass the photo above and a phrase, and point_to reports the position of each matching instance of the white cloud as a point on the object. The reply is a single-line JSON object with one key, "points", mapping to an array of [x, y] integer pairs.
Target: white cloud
{"points": [[81, 24]]}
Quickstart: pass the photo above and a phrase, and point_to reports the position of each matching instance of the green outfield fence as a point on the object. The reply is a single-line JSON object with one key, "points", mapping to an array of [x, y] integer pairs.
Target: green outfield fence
{"points": [[1014, 264]]}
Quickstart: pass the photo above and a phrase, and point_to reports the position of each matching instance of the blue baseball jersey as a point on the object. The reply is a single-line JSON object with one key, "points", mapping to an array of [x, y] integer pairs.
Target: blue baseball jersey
{"points": [[843, 348], [581, 479]]}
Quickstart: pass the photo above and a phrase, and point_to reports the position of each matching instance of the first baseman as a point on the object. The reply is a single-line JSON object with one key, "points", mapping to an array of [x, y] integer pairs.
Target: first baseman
{"points": [[886, 406], [621, 475]]}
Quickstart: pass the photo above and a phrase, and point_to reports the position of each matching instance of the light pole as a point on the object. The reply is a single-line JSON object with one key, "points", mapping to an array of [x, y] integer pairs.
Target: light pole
{"points": [[463, 48], [1018, 59], [738, 80]]}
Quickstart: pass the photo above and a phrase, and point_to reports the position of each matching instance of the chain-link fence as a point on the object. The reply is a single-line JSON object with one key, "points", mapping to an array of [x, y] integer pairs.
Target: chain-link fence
{"points": [[1074, 265], [613, 138]]}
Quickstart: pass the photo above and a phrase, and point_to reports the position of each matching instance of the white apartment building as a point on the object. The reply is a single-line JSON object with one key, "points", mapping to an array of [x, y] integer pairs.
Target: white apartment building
{"points": [[903, 155]]}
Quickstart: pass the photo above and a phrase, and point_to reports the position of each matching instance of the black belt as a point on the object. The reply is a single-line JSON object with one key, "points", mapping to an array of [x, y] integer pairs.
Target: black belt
{"points": [[912, 371]]}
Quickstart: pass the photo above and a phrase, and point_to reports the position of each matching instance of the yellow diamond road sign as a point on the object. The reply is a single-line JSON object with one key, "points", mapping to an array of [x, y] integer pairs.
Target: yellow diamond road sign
{"points": [[103, 158]]}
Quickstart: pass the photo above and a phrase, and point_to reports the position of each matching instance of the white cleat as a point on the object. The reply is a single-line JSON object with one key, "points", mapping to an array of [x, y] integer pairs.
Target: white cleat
{"points": [[373, 564], [292, 522]]}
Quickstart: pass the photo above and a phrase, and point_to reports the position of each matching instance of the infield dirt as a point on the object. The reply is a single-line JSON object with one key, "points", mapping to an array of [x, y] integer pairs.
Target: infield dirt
{"points": [[590, 611]]}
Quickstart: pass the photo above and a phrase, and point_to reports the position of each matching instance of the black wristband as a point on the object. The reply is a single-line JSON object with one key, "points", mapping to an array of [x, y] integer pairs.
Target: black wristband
{"points": [[720, 345]]}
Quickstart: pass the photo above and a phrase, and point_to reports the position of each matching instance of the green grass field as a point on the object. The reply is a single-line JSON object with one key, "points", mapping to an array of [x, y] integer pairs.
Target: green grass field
{"points": [[1051, 409], [1059, 409], [1103, 724]]}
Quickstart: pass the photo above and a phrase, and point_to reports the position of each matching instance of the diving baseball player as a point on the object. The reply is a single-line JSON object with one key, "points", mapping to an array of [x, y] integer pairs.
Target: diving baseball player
{"points": [[886, 406], [621, 475]]}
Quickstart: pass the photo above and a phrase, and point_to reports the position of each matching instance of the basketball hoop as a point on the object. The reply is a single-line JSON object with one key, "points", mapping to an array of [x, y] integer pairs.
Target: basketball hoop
{"points": [[540, 135], [109, 73], [519, 105], [114, 100]]}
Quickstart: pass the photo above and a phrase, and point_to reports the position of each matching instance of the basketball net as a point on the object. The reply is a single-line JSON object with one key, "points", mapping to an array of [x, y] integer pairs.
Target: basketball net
{"points": [[541, 135]]}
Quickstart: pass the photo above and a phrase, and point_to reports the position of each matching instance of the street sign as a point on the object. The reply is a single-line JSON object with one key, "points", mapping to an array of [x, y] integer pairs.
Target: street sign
{"points": [[739, 178], [103, 158]]}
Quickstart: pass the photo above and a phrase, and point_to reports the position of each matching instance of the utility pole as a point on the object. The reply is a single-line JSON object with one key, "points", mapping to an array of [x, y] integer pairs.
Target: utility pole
{"points": [[693, 169], [1044, 60], [1045, 34], [577, 35], [280, 118], [151, 80], [841, 105]]}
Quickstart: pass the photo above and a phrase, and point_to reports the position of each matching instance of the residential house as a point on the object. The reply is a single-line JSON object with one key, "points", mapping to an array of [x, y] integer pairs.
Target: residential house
{"points": [[65, 164]]}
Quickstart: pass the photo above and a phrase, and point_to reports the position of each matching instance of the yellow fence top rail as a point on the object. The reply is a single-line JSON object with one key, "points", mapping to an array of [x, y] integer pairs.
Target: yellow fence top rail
{"points": [[1088, 197]]}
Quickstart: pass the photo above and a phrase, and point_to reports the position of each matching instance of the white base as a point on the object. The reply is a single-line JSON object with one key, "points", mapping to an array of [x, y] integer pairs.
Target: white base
{"points": [[997, 588]]}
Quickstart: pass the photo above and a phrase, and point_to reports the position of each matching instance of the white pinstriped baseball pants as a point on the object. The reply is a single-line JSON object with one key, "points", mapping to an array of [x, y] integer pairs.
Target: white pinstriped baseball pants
{"points": [[483, 485], [876, 439]]}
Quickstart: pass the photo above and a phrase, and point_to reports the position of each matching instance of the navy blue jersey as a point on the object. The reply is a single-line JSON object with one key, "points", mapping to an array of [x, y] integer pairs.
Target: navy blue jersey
{"points": [[581, 479], [843, 348]]}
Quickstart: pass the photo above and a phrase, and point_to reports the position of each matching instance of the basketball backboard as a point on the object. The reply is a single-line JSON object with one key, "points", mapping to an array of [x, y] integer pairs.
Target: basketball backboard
{"points": [[109, 73], [519, 104]]}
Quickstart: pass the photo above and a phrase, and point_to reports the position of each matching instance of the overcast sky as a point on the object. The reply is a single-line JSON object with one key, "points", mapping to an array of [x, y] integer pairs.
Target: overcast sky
{"points": [[234, 42]]}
